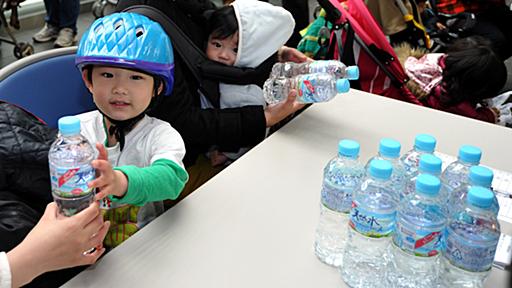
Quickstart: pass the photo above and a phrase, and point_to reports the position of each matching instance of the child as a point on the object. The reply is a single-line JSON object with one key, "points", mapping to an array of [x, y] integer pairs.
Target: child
{"points": [[127, 64], [244, 34], [459, 80]]}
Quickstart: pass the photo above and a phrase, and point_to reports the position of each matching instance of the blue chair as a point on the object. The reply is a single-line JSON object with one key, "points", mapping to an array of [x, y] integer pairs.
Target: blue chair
{"points": [[47, 84]]}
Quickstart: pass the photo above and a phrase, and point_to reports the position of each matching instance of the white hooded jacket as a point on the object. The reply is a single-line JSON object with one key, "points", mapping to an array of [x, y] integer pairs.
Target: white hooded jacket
{"points": [[262, 29]]}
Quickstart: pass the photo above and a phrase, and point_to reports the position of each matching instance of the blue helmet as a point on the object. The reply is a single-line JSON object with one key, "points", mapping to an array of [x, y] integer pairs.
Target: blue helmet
{"points": [[128, 40]]}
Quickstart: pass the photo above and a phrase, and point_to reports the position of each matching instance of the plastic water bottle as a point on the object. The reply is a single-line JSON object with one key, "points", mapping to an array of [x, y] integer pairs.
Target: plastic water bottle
{"points": [[472, 235], [478, 176], [342, 175], [457, 172], [429, 164], [337, 68], [70, 159], [416, 246], [389, 149], [311, 88], [371, 224], [423, 143]]}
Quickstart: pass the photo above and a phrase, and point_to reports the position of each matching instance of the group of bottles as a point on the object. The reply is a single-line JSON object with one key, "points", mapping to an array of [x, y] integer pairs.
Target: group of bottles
{"points": [[316, 81], [70, 158], [403, 222]]}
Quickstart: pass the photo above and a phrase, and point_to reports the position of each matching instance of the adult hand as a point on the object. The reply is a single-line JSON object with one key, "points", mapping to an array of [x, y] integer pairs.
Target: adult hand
{"points": [[109, 181], [287, 54], [58, 242], [277, 112]]}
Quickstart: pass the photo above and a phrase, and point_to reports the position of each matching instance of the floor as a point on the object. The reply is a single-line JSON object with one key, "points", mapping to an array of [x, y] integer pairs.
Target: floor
{"points": [[86, 18]]}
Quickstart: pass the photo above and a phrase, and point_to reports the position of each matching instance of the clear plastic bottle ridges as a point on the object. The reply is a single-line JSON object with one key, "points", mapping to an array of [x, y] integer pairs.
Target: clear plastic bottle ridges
{"points": [[389, 149], [416, 246], [337, 68], [70, 159], [311, 88], [342, 175], [371, 224], [423, 143], [471, 238], [457, 172], [429, 164], [478, 176]]}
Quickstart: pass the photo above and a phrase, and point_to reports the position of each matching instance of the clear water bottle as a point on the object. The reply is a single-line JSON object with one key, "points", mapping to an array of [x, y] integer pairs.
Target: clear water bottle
{"points": [[337, 68], [429, 164], [416, 246], [423, 143], [70, 159], [457, 172], [371, 224], [311, 88], [478, 176], [342, 175], [471, 235], [389, 149]]}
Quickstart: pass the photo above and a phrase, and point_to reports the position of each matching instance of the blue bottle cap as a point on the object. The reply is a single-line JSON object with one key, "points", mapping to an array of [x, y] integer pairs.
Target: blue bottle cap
{"points": [[470, 154], [428, 184], [380, 169], [425, 142], [342, 85], [352, 72], [389, 148], [480, 176], [430, 164], [349, 148], [69, 125], [480, 197]]}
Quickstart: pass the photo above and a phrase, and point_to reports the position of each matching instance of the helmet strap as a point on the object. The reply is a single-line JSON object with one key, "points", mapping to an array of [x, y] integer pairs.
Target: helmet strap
{"points": [[119, 128]]}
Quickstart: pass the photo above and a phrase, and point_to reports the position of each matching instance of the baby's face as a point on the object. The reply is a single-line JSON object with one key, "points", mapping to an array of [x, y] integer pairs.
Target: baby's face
{"points": [[223, 50]]}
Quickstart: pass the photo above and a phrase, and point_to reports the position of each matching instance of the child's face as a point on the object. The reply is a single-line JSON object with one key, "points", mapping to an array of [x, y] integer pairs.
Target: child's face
{"points": [[223, 50], [120, 93]]}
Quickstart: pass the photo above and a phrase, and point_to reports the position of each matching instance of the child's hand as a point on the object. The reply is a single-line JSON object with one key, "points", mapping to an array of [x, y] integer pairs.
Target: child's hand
{"points": [[109, 181], [277, 112], [287, 54]]}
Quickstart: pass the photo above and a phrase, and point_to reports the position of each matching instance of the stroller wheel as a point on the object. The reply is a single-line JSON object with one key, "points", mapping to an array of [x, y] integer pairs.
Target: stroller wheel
{"points": [[97, 8], [22, 49]]}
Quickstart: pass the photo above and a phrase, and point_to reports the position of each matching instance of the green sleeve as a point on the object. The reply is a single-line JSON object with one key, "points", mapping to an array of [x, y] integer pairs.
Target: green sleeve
{"points": [[164, 179]]}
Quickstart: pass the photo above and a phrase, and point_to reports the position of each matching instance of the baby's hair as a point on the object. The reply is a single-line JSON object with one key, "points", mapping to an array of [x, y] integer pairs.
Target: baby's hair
{"points": [[222, 23], [473, 71]]}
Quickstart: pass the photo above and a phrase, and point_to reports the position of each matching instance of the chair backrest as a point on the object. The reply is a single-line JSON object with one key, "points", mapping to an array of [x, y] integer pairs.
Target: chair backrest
{"points": [[47, 84]]}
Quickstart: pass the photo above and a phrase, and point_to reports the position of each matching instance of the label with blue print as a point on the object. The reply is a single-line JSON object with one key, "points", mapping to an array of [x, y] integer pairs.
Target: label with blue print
{"points": [[336, 198], [71, 182], [473, 257], [370, 224], [419, 242]]}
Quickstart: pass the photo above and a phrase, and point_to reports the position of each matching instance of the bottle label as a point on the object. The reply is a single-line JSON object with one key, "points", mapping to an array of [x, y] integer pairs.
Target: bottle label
{"points": [[424, 243], [335, 198], [306, 89], [370, 224], [473, 257], [71, 182]]}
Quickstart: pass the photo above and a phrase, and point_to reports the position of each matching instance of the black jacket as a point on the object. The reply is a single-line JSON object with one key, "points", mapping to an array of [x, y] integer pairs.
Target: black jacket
{"points": [[229, 129], [24, 174]]}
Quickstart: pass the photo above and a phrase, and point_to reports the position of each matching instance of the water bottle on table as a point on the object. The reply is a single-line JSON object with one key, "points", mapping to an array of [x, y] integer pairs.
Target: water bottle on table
{"points": [[457, 172], [429, 164], [389, 149], [423, 143], [70, 159], [342, 175], [472, 236], [371, 224], [478, 176], [311, 88], [416, 245], [337, 68]]}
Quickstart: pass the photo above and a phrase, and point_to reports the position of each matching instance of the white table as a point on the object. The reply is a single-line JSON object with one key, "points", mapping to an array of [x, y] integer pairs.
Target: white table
{"points": [[253, 225]]}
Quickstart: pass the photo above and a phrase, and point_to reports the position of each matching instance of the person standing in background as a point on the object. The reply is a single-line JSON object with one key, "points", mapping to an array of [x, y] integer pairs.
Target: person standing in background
{"points": [[61, 17]]}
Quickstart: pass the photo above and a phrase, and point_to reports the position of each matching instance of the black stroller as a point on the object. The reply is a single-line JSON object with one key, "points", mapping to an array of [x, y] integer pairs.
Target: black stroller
{"points": [[21, 49]]}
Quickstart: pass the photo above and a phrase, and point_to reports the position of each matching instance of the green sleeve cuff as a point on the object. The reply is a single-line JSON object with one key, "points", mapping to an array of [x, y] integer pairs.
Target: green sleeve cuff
{"points": [[164, 179]]}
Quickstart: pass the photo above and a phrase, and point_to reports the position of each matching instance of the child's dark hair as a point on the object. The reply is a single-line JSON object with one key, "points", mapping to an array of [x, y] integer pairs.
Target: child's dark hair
{"points": [[473, 71], [222, 22]]}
